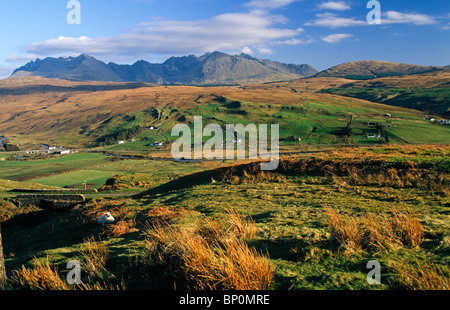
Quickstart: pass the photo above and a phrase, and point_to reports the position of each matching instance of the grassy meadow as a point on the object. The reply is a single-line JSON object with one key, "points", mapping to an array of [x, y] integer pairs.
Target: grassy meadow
{"points": [[313, 224]]}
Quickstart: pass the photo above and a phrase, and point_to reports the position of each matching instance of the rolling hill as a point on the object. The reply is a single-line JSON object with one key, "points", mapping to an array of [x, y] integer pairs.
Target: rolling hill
{"points": [[374, 69], [429, 92], [211, 68], [39, 111]]}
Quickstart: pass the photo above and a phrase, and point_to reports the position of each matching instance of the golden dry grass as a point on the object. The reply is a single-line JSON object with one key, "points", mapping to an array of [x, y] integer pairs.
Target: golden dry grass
{"points": [[44, 276], [96, 256], [122, 227], [375, 232], [41, 276], [233, 226], [212, 256], [420, 276]]}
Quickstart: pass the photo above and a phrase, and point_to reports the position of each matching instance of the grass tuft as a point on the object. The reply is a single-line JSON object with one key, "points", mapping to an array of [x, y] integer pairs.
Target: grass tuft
{"points": [[41, 276], [375, 232], [420, 276], [211, 256]]}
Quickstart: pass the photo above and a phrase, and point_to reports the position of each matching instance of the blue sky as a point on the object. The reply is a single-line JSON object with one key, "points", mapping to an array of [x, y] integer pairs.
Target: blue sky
{"points": [[321, 33]]}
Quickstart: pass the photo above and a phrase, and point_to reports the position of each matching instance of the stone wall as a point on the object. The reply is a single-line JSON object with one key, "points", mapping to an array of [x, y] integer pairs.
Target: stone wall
{"points": [[49, 201], [48, 191]]}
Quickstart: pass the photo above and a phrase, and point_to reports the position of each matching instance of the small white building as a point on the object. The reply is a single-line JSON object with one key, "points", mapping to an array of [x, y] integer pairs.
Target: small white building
{"points": [[120, 142]]}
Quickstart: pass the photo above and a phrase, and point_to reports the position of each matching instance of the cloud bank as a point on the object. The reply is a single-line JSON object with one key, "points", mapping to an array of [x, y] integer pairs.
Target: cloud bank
{"points": [[230, 31]]}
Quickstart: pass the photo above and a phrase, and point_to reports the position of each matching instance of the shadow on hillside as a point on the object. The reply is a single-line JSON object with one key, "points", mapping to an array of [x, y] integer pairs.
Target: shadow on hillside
{"points": [[198, 178], [29, 90], [32, 234]]}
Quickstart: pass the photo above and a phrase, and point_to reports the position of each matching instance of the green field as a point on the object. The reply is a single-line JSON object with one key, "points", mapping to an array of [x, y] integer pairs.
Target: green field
{"points": [[95, 178], [93, 168], [27, 170], [315, 122]]}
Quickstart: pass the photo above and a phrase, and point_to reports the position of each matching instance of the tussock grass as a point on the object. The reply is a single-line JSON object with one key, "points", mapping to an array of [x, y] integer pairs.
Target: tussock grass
{"points": [[123, 227], [420, 276], [361, 167], [44, 276], [163, 215], [251, 174], [96, 256], [345, 231], [41, 276], [233, 226], [211, 257], [375, 232], [392, 177]]}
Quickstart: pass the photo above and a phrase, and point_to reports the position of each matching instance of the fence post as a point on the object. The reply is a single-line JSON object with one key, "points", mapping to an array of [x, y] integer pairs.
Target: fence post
{"points": [[2, 265]]}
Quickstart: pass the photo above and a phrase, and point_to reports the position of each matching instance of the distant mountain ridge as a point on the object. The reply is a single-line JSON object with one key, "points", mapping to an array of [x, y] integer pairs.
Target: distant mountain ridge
{"points": [[374, 69], [210, 68]]}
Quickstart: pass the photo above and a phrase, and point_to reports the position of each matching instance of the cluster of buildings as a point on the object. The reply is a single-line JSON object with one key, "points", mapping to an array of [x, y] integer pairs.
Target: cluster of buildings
{"points": [[52, 150], [441, 121], [157, 144]]}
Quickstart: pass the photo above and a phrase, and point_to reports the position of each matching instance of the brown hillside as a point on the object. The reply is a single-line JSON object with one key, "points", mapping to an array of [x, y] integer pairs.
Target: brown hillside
{"points": [[439, 78], [373, 68]]}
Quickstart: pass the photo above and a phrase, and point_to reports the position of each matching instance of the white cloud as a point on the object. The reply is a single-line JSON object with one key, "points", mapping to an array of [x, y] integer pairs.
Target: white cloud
{"points": [[331, 20], [294, 42], [394, 17], [247, 50], [265, 50], [335, 38], [5, 71], [334, 5], [268, 4], [231, 31], [289, 42]]}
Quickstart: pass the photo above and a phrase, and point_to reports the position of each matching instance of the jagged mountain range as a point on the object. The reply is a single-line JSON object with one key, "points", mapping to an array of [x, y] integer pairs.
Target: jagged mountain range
{"points": [[210, 68]]}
